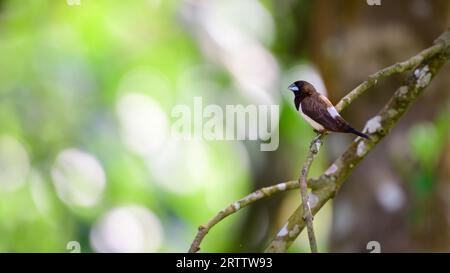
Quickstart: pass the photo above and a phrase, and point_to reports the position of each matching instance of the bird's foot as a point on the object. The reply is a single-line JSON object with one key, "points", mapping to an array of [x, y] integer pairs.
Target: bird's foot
{"points": [[319, 135]]}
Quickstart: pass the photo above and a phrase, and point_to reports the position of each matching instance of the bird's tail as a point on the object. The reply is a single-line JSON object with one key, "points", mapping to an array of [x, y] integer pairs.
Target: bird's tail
{"points": [[358, 133]]}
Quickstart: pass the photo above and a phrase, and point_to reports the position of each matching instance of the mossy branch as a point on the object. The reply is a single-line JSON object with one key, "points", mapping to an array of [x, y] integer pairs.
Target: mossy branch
{"points": [[238, 205], [314, 149], [378, 127], [426, 65]]}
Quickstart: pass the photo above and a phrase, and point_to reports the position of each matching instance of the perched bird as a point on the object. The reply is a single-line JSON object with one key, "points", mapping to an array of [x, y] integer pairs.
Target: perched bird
{"points": [[318, 111]]}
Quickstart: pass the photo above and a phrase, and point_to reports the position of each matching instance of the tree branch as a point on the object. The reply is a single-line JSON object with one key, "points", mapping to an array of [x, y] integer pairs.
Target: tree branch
{"points": [[313, 151], [426, 65], [397, 68], [238, 205], [327, 184]]}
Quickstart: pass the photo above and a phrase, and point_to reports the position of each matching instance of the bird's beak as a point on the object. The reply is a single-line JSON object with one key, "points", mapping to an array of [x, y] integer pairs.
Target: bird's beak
{"points": [[293, 87]]}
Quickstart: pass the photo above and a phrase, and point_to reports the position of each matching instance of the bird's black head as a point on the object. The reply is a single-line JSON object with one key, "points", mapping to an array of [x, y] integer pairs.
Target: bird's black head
{"points": [[302, 88]]}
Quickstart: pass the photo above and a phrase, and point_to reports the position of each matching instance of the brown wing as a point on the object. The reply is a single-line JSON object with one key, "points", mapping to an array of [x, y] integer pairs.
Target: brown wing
{"points": [[316, 109], [326, 100]]}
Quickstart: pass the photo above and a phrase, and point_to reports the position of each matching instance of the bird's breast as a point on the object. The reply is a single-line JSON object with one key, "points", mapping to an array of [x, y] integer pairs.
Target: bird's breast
{"points": [[309, 120]]}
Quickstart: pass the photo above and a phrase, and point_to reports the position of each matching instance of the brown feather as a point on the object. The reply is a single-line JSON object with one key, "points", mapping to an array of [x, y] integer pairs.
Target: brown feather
{"points": [[315, 107]]}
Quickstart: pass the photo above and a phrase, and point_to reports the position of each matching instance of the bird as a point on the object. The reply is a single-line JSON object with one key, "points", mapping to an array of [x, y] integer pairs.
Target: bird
{"points": [[318, 111]]}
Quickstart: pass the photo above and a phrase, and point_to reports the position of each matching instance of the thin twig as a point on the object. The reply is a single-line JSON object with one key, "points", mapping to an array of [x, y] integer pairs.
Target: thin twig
{"points": [[308, 217], [236, 206]]}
